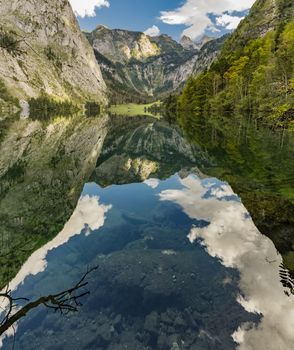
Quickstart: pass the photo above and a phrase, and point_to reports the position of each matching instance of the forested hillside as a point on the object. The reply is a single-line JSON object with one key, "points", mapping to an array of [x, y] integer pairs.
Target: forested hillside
{"points": [[255, 70]]}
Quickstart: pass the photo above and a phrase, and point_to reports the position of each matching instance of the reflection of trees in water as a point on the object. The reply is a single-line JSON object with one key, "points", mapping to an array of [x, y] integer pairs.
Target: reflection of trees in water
{"points": [[257, 163], [64, 302], [43, 167], [287, 280], [10, 255]]}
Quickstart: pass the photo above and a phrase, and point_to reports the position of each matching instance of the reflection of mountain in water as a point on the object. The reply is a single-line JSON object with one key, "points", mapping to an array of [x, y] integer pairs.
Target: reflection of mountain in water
{"points": [[139, 148], [43, 167], [153, 289], [44, 164]]}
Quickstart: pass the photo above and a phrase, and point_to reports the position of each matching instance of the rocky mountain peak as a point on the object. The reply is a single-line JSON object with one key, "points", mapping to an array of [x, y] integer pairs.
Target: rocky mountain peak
{"points": [[204, 40], [121, 46], [101, 27], [187, 43]]}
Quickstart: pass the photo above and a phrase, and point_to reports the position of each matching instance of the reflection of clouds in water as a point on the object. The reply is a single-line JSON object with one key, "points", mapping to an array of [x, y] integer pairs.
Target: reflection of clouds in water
{"points": [[233, 237], [88, 213], [222, 191], [153, 183]]}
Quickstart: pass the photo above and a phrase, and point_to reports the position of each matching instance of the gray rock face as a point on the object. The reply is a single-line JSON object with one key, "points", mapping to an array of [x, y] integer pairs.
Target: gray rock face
{"points": [[140, 64], [123, 45], [204, 40], [208, 54], [135, 64], [49, 53], [187, 43]]}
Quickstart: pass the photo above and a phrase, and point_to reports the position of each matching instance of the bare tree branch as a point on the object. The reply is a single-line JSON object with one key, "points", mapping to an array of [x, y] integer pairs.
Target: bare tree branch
{"points": [[63, 302]]}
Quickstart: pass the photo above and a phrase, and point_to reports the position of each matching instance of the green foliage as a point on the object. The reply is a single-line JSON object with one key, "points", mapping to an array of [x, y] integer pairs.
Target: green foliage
{"points": [[5, 95], [257, 76], [54, 161], [168, 108], [16, 171], [9, 41], [54, 57], [45, 107], [92, 109], [50, 53]]}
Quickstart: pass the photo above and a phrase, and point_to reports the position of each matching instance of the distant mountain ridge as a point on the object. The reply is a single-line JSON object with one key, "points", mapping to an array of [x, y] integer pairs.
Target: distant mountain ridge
{"points": [[204, 40], [137, 66], [189, 44]]}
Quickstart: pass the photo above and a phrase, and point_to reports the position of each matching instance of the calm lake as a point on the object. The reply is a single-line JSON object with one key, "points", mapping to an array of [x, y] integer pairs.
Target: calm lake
{"points": [[190, 230]]}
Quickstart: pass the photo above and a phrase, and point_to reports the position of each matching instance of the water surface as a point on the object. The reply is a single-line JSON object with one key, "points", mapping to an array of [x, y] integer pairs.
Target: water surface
{"points": [[181, 264]]}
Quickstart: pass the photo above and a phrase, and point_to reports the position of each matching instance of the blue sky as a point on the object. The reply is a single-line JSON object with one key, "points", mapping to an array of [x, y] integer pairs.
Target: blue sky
{"points": [[173, 17]]}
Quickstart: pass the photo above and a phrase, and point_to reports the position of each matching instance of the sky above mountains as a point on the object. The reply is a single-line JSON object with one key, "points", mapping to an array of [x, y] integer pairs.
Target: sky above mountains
{"points": [[173, 17]]}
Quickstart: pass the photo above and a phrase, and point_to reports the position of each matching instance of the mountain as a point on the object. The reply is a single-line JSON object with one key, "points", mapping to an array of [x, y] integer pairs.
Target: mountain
{"points": [[204, 40], [138, 67], [208, 53], [122, 45], [44, 165], [255, 70], [42, 50], [187, 43]]}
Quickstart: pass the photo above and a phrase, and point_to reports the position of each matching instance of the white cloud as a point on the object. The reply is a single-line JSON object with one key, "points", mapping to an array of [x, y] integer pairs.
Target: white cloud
{"points": [[229, 22], [152, 31], [153, 183], [213, 29], [194, 14], [85, 8]]}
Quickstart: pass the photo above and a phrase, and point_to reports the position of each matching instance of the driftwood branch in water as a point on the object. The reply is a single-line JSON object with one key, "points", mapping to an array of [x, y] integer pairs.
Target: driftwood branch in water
{"points": [[64, 302]]}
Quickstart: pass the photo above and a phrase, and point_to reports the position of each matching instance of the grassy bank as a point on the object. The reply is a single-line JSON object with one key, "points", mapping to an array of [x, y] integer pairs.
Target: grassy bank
{"points": [[133, 109]]}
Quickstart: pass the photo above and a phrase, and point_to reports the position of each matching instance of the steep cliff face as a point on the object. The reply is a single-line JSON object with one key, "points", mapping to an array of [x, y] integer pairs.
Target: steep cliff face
{"points": [[134, 64], [189, 44], [122, 45], [204, 40], [43, 50]]}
